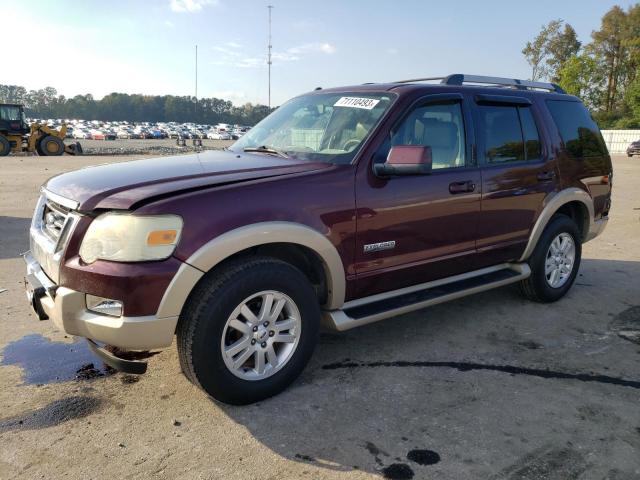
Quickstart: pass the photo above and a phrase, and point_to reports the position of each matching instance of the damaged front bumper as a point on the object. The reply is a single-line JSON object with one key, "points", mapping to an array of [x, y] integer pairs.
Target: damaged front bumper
{"points": [[67, 309]]}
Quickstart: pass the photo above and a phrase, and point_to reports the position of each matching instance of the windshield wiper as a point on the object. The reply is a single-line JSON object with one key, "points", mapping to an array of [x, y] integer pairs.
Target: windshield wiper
{"points": [[266, 149]]}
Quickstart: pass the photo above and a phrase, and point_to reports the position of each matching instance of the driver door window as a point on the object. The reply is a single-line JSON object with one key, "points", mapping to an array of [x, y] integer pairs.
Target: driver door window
{"points": [[439, 126]]}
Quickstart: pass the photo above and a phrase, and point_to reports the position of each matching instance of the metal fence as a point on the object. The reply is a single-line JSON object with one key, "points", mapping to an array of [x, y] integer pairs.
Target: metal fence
{"points": [[618, 140]]}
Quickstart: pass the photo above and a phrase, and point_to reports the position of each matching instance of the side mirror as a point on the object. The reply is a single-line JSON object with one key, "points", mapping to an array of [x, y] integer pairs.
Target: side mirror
{"points": [[405, 160]]}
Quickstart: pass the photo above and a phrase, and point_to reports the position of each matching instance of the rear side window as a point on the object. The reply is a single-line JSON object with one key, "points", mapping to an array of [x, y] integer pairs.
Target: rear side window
{"points": [[510, 134], [579, 132]]}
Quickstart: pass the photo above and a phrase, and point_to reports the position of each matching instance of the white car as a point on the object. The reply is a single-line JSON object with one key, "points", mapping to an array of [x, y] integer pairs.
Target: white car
{"points": [[218, 136], [81, 134]]}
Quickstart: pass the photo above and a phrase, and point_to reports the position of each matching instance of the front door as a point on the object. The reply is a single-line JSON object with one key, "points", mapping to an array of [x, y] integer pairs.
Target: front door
{"points": [[413, 229]]}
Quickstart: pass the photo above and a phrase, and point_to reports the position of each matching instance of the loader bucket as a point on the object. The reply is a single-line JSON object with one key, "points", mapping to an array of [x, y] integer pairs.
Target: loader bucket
{"points": [[73, 149]]}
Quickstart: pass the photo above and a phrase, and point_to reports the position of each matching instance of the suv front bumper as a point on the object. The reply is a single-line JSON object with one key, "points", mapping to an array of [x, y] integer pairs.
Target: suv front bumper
{"points": [[67, 309]]}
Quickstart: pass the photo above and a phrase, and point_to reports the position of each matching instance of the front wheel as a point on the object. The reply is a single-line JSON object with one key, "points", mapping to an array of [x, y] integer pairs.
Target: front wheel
{"points": [[554, 262], [248, 330], [5, 146], [50, 146]]}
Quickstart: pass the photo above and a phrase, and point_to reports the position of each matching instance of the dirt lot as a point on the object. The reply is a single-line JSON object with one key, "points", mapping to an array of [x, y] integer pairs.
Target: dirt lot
{"points": [[490, 386], [149, 146]]}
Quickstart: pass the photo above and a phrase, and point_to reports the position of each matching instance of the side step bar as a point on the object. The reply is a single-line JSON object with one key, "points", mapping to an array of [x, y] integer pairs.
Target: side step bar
{"points": [[389, 304]]}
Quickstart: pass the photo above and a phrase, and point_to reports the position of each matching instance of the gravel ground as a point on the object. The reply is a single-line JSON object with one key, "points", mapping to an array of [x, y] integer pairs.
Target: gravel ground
{"points": [[486, 387], [138, 147]]}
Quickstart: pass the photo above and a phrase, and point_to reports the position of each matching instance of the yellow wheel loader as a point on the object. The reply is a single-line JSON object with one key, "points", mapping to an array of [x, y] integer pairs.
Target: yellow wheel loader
{"points": [[17, 136]]}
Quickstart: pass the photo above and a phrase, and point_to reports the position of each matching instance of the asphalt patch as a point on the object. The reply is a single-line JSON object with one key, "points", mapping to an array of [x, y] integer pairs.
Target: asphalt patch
{"points": [[510, 369], [549, 463], [44, 361], [423, 457], [52, 414], [398, 471], [627, 324]]}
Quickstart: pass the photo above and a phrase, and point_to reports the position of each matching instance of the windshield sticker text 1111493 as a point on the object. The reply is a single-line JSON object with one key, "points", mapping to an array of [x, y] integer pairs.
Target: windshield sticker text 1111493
{"points": [[357, 102]]}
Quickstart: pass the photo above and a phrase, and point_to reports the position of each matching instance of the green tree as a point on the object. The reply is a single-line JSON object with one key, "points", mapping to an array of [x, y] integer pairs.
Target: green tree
{"points": [[561, 46], [536, 51], [580, 76]]}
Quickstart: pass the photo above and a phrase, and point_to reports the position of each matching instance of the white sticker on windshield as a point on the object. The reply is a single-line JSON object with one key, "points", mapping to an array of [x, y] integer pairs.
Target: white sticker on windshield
{"points": [[357, 102]]}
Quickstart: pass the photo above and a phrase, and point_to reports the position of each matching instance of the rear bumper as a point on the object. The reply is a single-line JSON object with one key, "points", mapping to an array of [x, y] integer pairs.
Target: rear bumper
{"points": [[67, 309]]}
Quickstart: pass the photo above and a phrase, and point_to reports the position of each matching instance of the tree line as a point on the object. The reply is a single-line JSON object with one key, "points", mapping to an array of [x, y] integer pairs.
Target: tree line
{"points": [[46, 103], [604, 72]]}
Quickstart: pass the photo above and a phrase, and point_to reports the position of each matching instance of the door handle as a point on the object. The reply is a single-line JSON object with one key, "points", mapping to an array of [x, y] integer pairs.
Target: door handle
{"points": [[546, 176], [462, 187]]}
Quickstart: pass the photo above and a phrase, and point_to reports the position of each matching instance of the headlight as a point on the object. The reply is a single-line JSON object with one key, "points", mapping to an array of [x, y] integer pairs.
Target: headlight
{"points": [[124, 237]]}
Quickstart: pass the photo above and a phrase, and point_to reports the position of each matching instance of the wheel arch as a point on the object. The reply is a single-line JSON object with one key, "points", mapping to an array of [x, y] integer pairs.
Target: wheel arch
{"points": [[297, 244], [573, 202]]}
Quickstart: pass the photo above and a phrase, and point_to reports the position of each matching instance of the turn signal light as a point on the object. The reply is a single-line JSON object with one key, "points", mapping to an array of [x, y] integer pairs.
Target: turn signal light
{"points": [[162, 237]]}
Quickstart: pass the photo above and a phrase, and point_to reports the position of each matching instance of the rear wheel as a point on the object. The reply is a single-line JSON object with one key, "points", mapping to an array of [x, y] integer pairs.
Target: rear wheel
{"points": [[249, 330], [5, 146], [50, 146], [554, 262]]}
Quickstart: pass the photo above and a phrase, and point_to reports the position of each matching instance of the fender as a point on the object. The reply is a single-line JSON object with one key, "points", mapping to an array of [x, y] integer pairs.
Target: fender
{"points": [[554, 203], [222, 247]]}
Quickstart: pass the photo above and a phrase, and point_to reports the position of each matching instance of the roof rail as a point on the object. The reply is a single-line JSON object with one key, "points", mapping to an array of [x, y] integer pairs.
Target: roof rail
{"points": [[461, 78]]}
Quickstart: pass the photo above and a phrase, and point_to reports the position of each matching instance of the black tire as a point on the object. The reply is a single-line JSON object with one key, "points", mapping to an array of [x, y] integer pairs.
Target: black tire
{"points": [[50, 146], [200, 329], [5, 146], [629, 155], [536, 287]]}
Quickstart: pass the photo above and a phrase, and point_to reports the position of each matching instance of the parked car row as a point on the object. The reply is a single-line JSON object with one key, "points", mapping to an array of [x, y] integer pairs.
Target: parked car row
{"points": [[103, 130]]}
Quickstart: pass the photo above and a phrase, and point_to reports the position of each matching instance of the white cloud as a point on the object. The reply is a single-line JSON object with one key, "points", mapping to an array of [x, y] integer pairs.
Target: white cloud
{"points": [[316, 47], [392, 51], [233, 45], [292, 54], [168, 24], [225, 51], [190, 5]]}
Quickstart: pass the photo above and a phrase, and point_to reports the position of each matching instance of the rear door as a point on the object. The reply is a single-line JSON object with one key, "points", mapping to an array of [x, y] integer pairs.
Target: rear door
{"points": [[518, 172], [413, 229]]}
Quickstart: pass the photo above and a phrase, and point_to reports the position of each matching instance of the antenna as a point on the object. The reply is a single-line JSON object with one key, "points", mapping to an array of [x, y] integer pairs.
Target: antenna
{"points": [[196, 106], [270, 7]]}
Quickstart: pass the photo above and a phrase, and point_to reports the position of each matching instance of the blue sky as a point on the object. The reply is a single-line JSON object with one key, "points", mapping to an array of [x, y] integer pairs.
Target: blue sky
{"points": [[148, 46]]}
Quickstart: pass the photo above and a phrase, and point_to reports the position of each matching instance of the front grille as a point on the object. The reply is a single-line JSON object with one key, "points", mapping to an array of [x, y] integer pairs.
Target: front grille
{"points": [[54, 217], [50, 232]]}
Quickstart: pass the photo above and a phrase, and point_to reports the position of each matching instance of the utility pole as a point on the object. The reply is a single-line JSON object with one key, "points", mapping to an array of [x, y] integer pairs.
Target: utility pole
{"points": [[196, 106], [270, 7]]}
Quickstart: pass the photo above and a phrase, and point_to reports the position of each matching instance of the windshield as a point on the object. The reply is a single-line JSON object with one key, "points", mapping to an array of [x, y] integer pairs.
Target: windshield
{"points": [[327, 127]]}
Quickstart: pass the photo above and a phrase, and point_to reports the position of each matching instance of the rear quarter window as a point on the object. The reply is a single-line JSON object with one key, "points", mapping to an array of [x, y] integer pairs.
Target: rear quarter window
{"points": [[578, 131]]}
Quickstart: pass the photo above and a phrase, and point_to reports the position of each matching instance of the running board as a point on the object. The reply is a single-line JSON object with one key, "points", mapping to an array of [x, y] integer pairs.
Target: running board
{"points": [[389, 304]]}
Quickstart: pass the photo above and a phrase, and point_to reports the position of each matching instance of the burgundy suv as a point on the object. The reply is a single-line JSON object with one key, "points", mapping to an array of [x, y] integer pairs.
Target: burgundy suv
{"points": [[344, 206]]}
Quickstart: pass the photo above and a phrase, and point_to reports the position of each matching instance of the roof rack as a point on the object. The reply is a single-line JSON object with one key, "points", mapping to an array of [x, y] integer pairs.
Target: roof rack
{"points": [[461, 78]]}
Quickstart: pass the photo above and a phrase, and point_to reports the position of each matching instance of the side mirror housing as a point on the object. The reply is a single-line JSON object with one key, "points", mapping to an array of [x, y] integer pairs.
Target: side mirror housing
{"points": [[405, 160]]}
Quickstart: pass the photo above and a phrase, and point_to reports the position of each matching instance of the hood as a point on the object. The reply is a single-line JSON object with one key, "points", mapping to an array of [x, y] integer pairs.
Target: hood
{"points": [[122, 185]]}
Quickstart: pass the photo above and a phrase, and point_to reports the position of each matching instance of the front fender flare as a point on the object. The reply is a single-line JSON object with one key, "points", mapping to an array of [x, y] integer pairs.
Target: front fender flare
{"points": [[222, 247]]}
